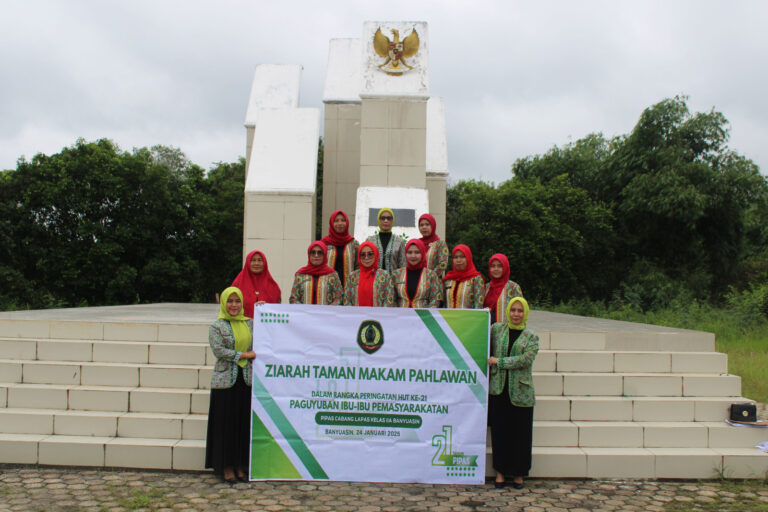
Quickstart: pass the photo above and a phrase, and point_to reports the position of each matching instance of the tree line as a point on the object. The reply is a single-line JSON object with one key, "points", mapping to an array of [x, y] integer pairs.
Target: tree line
{"points": [[664, 212]]}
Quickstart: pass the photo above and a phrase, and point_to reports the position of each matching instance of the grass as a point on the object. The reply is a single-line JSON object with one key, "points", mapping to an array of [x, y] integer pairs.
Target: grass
{"points": [[152, 499], [740, 334], [745, 498]]}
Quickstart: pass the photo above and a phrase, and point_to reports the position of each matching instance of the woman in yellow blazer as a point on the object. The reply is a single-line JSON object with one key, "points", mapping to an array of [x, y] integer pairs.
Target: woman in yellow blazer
{"points": [[511, 401]]}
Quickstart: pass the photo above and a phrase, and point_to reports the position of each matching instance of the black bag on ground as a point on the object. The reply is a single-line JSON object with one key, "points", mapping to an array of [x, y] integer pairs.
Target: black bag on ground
{"points": [[744, 412]]}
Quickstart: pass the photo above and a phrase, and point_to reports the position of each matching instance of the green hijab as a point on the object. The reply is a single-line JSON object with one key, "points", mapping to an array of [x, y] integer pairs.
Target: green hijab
{"points": [[378, 218], [240, 328], [526, 310]]}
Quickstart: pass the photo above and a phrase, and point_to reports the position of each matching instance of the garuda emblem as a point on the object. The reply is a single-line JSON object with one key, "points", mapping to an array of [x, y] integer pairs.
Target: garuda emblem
{"points": [[395, 51]]}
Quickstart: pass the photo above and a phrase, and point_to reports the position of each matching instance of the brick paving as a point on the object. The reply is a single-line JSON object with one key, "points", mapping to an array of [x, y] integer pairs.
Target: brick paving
{"points": [[104, 490]]}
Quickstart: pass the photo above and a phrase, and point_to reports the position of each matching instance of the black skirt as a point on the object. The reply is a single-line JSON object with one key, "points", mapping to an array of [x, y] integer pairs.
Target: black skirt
{"points": [[511, 435], [229, 423]]}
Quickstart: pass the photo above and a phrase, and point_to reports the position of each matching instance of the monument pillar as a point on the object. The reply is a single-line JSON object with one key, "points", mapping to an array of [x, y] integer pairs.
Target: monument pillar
{"points": [[384, 136], [281, 170]]}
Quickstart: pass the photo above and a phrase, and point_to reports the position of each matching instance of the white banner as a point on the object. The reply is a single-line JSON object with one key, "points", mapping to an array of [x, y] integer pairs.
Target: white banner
{"points": [[369, 394]]}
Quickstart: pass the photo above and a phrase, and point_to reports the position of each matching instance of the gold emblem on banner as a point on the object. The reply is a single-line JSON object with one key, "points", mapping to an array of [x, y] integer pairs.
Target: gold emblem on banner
{"points": [[395, 51], [370, 336]]}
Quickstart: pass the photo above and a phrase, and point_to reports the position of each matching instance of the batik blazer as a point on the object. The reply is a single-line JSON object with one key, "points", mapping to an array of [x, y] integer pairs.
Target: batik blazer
{"points": [[350, 257], [222, 341], [395, 253], [516, 368], [437, 257], [329, 289], [469, 295], [429, 293], [511, 289], [383, 291]]}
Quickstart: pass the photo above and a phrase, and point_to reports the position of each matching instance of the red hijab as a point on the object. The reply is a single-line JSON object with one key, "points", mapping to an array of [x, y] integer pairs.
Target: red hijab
{"points": [[333, 237], [317, 270], [426, 240], [256, 287], [462, 275], [420, 245], [497, 285], [367, 275]]}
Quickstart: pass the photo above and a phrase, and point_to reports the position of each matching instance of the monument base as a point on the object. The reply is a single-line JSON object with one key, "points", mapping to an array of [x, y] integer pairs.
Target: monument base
{"points": [[127, 386]]}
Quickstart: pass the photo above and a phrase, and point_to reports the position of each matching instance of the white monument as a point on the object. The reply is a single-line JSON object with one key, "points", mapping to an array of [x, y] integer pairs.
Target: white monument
{"points": [[384, 145], [281, 170]]}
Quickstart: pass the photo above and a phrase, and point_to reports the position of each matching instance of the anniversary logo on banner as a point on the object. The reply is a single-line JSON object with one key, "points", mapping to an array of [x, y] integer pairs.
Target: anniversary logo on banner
{"points": [[369, 394]]}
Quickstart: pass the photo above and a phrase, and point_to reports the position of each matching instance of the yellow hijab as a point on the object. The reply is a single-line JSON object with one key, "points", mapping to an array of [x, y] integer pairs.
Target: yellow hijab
{"points": [[378, 218], [240, 328], [526, 310]]}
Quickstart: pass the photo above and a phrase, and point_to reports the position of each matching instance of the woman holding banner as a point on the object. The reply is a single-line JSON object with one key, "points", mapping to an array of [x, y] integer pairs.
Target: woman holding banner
{"points": [[415, 285], [464, 285], [316, 282], [342, 247], [256, 283], [370, 285], [229, 412], [500, 290], [511, 400]]}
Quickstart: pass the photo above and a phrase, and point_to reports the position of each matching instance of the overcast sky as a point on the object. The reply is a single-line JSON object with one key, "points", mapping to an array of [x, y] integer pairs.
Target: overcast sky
{"points": [[516, 77]]}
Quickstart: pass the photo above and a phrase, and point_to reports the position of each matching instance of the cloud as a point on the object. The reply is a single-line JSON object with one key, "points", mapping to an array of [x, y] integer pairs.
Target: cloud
{"points": [[517, 77]]}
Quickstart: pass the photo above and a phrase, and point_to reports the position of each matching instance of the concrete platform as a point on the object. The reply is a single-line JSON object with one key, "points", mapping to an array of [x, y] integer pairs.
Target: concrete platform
{"points": [[126, 386]]}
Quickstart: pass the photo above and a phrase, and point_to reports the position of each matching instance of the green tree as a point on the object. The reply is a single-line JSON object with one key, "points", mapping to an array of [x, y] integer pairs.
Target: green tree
{"points": [[554, 235], [96, 225]]}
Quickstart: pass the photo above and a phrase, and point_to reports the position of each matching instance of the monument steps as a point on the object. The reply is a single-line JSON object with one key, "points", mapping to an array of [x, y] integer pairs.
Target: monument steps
{"points": [[614, 400]]}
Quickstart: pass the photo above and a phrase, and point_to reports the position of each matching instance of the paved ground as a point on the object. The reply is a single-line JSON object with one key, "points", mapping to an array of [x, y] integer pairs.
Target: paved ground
{"points": [[70, 489]]}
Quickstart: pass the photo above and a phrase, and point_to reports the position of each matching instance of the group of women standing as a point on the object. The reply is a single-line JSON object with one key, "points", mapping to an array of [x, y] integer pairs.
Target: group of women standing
{"points": [[383, 271]]}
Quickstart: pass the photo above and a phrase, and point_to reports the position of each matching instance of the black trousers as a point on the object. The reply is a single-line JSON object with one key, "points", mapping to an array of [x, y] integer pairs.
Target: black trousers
{"points": [[511, 435], [229, 423]]}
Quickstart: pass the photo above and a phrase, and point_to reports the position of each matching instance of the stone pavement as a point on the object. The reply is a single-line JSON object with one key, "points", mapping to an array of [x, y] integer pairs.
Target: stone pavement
{"points": [[32, 488]]}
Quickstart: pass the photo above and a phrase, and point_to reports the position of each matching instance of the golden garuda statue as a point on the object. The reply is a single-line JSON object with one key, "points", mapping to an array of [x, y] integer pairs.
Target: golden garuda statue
{"points": [[395, 51]]}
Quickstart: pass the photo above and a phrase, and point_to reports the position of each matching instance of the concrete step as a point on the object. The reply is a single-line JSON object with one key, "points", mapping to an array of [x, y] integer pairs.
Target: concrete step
{"points": [[105, 374], [109, 331], [104, 398], [624, 408], [674, 340], [550, 462], [644, 463], [629, 434], [140, 352], [103, 423], [592, 361], [635, 384], [64, 450]]}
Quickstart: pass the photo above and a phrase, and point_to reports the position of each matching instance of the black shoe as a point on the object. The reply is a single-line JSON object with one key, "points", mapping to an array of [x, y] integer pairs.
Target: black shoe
{"points": [[518, 485], [499, 485]]}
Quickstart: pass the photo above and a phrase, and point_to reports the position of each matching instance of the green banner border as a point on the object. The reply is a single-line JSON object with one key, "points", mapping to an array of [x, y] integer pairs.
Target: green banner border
{"points": [[453, 355], [286, 429]]}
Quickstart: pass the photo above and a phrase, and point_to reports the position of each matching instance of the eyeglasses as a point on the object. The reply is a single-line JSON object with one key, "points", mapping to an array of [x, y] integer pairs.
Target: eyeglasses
{"points": [[315, 253], [366, 255], [386, 218]]}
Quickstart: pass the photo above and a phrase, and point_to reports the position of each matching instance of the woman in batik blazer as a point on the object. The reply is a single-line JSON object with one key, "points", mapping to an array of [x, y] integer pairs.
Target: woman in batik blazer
{"points": [[510, 404], [500, 290], [229, 412], [437, 249], [369, 285], [391, 247], [316, 282], [342, 247], [415, 285], [464, 285]]}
